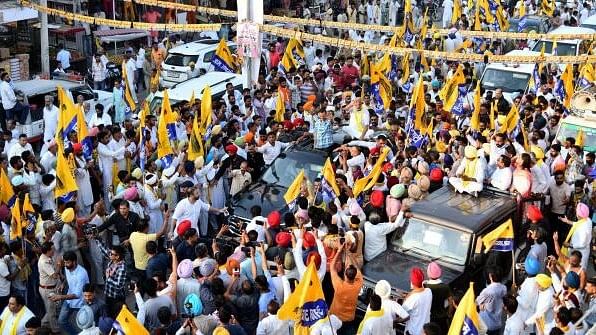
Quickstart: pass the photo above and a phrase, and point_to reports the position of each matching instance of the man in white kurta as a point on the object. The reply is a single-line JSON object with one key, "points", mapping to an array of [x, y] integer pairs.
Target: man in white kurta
{"points": [[85, 193], [14, 317], [107, 157], [50, 119], [116, 143], [447, 13], [153, 200], [469, 176], [357, 127]]}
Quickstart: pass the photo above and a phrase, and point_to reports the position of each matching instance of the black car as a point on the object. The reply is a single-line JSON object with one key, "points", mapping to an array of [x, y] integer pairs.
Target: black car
{"points": [[268, 192], [446, 227]]}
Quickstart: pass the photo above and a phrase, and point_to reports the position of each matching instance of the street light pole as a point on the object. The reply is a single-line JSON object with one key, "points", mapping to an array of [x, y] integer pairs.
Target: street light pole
{"points": [[44, 39]]}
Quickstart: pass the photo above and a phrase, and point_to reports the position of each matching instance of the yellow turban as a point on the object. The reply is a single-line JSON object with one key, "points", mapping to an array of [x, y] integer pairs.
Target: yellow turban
{"points": [[537, 151], [68, 215], [470, 152], [543, 280]]}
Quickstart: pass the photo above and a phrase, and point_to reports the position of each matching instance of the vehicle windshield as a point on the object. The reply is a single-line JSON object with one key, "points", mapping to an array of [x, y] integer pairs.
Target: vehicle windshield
{"points": [[508, 81], [85, 91], [433, 241], [284, 170], [180, 60], [571, 130], [563, 49], [530, 26]]}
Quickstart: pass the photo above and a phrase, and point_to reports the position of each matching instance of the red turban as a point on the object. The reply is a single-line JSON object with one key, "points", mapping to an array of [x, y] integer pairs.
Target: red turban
{"points": [[283, 239], [416, 277], [309, 240], [183, 226], [231, 149], [534, 213], [377, 198], [274, 219]]}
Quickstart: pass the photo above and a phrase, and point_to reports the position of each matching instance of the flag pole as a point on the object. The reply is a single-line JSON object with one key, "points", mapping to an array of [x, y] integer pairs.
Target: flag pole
{"points": [[513, 266]]}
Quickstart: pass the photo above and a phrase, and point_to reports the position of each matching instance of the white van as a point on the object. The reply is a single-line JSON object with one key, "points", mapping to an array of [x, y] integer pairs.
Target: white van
{"points": [[183, 91], [512, 78], [33, 93], [566, 47], [175, 67], [582, 116], [589, 23]]}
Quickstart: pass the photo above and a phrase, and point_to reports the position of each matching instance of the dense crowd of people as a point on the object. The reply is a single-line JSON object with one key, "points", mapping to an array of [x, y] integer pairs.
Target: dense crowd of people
{"points": [[152, 233]]}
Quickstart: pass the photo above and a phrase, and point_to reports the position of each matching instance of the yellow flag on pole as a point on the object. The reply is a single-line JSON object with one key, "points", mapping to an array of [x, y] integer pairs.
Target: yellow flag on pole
{"points": [[294, 190]]}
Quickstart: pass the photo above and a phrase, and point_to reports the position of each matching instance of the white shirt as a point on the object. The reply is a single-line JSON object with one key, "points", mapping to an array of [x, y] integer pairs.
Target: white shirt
{"points": [[375, 238], [95, 121], [501, 178], [140, 58], [17, 149], [8, 318], [527, 297], [382, 325], [270, 152], [4, 283], [260, 229], [324, 327], [187, 211], [50, 122], [63, 57], [418, 306], [582, 236], [9, 99], [272, 325], [514, 324]]}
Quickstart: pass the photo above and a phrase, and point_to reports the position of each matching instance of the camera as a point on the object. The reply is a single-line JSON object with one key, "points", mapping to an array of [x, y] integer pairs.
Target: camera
{"points": [[168, 244], [89, 229], [342, 240]]}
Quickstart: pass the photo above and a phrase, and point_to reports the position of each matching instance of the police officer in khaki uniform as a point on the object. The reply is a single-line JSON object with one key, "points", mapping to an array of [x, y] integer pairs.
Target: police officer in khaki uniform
{"points": [[49, 279]]}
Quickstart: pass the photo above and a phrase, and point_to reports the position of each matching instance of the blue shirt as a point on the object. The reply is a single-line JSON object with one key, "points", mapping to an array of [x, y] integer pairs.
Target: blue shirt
{"points": [[246, 267], [76, 279], [323, 133]]}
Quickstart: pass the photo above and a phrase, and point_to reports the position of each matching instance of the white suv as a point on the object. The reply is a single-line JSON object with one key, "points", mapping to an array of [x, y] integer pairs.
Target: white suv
{"points": [[175, 67]]}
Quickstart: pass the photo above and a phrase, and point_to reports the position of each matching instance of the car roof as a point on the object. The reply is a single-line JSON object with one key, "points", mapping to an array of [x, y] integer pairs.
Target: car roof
{"points": [[579, 121], [521, 67], [464, 211], [591, 20], [183, 91], [571, 30], [196, 47], [531, 17], [40, 86]]}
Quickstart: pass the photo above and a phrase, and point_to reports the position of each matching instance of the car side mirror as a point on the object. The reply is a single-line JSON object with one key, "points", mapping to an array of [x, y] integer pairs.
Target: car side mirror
{"points": [[95, 96]]}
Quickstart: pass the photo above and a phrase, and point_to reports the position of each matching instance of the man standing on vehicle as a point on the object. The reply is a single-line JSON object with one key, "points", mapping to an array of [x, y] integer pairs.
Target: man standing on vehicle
{"points": [[272, 148], [50, 118], [12, 107], [63, 56]]}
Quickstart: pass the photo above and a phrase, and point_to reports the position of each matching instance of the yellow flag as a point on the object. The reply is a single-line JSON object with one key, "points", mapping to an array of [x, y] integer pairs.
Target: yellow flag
{"points": [[568, 80], [6, 190], [501, 19], [306, 305], [418, 100], [65, 181], [466, 316], [27, 206], [548, 7], [522, 8], [408, 7], [511, 119], [164, 147], [294, 190], [129, 323], [206, 109], [450, 92], [477, 23], [500, 239], [16, 228], [456, 11], [296, 45], [525, 136], [405, 65], [475, 119], [67, 115], [329, 176], [369, 181], [280, 108], [191, 102], [195, 144], [493, 111], [364, 65]]}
